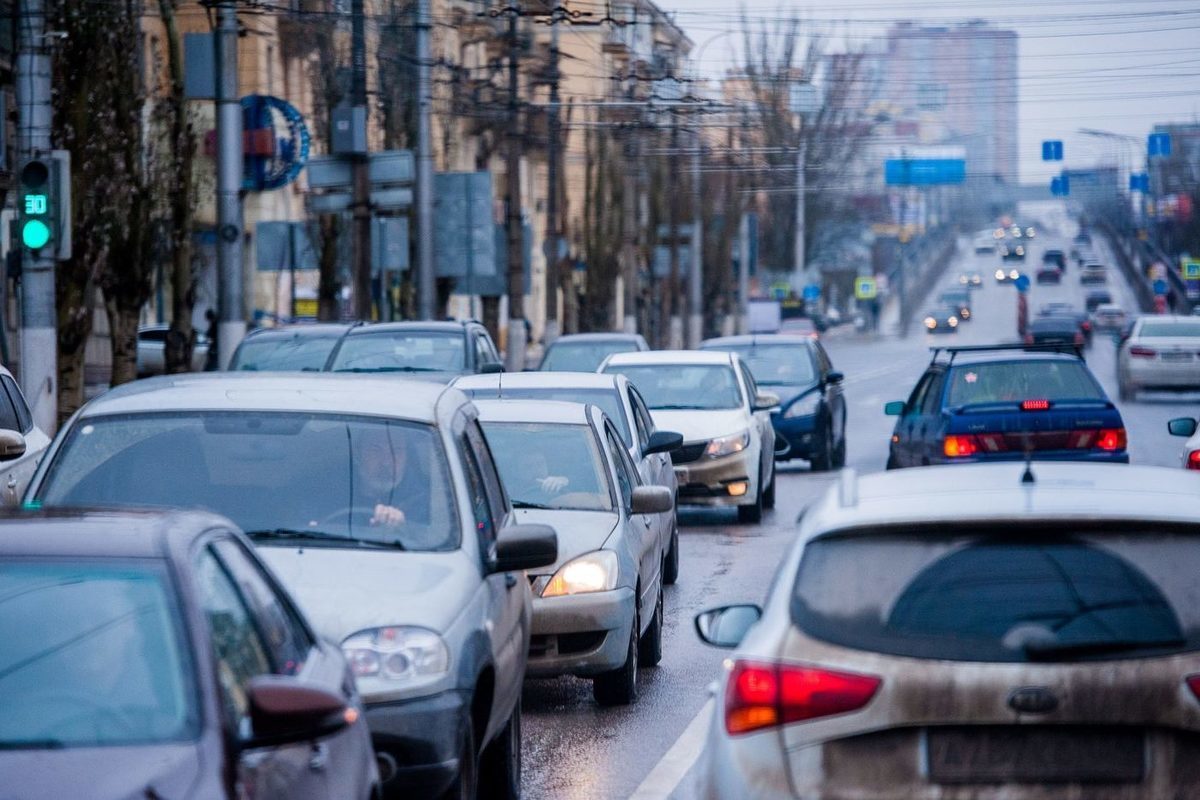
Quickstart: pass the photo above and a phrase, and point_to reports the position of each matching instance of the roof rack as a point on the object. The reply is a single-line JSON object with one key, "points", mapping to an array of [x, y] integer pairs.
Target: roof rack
{"points": [[1067, 349]]}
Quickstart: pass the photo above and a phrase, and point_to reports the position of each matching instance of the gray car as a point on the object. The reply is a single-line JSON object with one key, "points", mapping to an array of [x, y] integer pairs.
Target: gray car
{"points": [[377, 502], [598, 612]]}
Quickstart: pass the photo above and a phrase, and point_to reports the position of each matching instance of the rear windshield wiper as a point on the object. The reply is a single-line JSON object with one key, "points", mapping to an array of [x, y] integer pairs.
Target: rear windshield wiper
{"points": [[1053, 650], [527, 504]]}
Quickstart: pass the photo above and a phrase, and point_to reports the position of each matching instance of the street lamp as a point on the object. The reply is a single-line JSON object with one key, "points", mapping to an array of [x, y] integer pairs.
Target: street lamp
{"points": [[803, 99]]}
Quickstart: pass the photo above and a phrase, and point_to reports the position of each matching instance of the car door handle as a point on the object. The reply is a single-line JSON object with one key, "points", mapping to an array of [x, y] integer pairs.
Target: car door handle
{"points": [[319, 759], [12, 482], [510, 580]]}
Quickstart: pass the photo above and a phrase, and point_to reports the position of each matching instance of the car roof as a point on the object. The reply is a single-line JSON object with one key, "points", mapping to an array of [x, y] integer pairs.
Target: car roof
{"points": [[325, 330], [614, 336], [967, 493], [279, 391], [653, 357], [540, 380], [555, 412], [754, 339], [447, 326], [1013, 356], [128, 533]]}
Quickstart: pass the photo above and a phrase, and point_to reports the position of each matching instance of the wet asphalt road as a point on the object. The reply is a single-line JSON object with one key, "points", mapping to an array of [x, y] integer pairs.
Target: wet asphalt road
{"points": [[576, 750]]}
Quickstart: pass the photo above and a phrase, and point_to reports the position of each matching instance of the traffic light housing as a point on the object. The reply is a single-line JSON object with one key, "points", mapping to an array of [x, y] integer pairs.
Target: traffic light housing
{"points": [[44, 205]]}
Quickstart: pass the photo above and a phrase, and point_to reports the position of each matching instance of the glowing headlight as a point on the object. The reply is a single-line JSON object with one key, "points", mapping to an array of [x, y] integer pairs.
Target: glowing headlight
{"points": [[806, 406], [999, 274], [728, 445], [591, 572], [952, 322], [1020, 251], [1013, 274], [399, 654], [930, 323]]}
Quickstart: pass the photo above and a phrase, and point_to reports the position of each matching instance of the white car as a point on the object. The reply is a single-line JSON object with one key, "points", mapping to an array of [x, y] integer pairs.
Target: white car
{"points": [[976, 632], [1187, 427], [22, 443], [728, 452], [649, 447], [1162, 352]]}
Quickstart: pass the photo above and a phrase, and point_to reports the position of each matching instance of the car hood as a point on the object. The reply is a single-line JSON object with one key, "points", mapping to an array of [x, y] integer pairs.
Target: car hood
{"points": [[109, 773], [344, 591], [579, 532], [698, 426]]}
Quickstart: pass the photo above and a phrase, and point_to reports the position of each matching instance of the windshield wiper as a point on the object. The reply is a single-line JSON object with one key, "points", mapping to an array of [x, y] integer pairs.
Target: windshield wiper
{"points": [[295, 534], [1052, 650], [32, 744], [682, 407], [527, 504], [390, 369]]}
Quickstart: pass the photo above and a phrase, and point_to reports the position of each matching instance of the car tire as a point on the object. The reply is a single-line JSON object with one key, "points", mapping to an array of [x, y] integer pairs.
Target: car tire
{"points": [[671, 563], [891, 462], [769, 493], [618, 687], [500, 765], [650, 645], [466, 783], [752, 514], [823, 460]]}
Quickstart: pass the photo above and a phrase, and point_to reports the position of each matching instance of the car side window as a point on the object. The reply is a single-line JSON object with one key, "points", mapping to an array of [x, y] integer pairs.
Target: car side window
{"points": [[481, 352], [751, 386], [8, 413], [932, 402], [917, 398], [238, 650], [287, 639], [624, 480], [497, 497], [639, 424], [23, 414], [485, 523], [823, 363]]}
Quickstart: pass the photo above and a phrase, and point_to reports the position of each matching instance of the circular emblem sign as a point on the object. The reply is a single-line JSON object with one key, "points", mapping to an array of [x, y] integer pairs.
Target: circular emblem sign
{"points": [[275, 142]]}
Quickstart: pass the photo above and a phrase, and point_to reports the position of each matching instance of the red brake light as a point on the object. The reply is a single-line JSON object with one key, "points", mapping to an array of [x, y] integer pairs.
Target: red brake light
{"points": [[1111, 439], [1035, 405], [1193, 462], [1193, 683], [1141, 352], [764, 695], [1086, 325], [957, 445]]}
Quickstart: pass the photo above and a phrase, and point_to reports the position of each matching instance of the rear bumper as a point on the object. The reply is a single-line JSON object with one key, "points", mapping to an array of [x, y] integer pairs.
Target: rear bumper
{"points": [[1163, 374], [1086, 456], [581, 634]]}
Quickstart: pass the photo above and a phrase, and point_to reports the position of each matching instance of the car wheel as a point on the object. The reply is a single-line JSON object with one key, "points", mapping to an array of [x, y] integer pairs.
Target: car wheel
{"points": [[500, 769], [769, 493], [466, 783], [650, 645], [671, 567], [752, 514], [618, 687], [822, 461]]}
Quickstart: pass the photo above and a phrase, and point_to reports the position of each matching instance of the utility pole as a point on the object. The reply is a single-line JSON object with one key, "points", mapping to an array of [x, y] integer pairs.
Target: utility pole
{"points": [[426, 294], [629, 239], [515, 355], [231, 317], [743, 276], [799, 276], [696, 278], [671, 306], [39, 321], [553, 229], [360, 179]]}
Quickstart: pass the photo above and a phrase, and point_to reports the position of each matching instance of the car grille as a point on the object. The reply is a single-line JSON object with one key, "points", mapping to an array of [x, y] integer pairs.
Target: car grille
{"points": [[688, 453]]}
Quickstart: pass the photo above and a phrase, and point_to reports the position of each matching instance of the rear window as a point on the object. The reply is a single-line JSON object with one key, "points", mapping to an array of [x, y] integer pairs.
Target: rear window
{"points": [[283, 354], [1008, 381], [1046, 595], [1054, 324], [607, 400], [1155, 329]]}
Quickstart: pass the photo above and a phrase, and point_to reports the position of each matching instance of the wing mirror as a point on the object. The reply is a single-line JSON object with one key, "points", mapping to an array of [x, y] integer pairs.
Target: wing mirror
{"points": [[491, 368], [894, 408], [726, 626], [285, 709], [834, 376], [651, 500], [1182, 426], [765, 401], [525, 546], [12, 445], [663, 442]]}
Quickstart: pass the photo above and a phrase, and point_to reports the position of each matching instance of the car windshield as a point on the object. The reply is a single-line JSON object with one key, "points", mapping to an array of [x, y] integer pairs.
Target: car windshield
{"points": [[545, 465], [272, 353], [684, 386], [1013, 381], [346, 480], [1009, 596], [93, 655], [401, 351], [775, 364], [607, 400], [1154, 329], [582, 356]]}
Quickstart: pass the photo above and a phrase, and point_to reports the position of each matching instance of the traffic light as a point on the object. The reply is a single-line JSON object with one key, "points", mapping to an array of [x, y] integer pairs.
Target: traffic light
{"points": [[44, 204]]}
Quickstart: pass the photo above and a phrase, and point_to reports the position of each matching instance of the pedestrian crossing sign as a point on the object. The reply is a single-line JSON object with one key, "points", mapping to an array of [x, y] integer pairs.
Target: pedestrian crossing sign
{"points": [[1191, 268], [864, 288]]}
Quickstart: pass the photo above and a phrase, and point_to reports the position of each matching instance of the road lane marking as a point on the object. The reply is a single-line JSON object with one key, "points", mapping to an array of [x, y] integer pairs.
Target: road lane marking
{"points": [[672, 767]]}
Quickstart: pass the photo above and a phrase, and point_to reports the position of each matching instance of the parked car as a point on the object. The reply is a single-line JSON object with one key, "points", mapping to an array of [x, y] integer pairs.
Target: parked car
{"points": [[151, 345], [941, 319], [1091, 274], [584, 352], [152, 655], [434, 351], [1096, 298], [728, 452], [598, 609], [288, 348], [22, 443], [377, 502], [1109, 317], [1161, 353], [649, 447], [1062, 330], [811, 420], [1055, 258], [983, 632], [1004, 403], [1048, 275]]}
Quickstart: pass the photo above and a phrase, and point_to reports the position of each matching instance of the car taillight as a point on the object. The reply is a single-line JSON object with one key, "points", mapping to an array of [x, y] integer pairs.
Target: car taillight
{"points": [[1035, 405], [1193, 683], [1193, 460], [1087, 326], [957, 445], [1141, 352], [765, 695], [1111, 439]]}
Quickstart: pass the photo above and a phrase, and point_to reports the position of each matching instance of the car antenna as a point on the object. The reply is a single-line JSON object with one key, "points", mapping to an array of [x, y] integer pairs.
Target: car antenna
{"points": [[499, 385], [1027, 477]]}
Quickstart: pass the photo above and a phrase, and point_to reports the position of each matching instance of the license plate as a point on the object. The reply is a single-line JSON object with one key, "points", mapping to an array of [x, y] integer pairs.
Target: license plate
{"points": [[1028, 754], [1176, 356]]}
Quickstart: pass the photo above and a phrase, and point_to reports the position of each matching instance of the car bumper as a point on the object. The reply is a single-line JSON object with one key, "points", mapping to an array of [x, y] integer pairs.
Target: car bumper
{"points": [[1164, 374], [707, 481], [799, 434], [582, 634], [422, 736], [1089, 456]]}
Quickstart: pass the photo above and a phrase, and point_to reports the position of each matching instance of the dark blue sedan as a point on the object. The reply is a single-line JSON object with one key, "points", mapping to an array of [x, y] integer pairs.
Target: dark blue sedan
{"points": [[1006, 403], [811, 420]]}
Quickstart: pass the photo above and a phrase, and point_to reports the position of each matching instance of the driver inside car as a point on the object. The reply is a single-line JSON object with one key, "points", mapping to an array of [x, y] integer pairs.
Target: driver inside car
{"points": [[388, 480]]}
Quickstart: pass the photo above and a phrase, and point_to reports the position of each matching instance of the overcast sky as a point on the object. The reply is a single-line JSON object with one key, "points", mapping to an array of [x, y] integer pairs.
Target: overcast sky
{"points": [[1115, 65]]}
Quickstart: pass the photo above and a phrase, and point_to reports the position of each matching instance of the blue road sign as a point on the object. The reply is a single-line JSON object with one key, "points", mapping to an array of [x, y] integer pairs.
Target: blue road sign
{"points": [[1022, 283], [1052, 150], [1160, 286], [924, 171], [1060, 186], [1158, 144], [1139, 182], [812, 293]]}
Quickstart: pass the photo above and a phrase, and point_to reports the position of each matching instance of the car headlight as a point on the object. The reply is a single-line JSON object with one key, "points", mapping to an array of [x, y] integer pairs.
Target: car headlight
{"points": [[930, 323], [401, 654], [805, 406], [1014, 275], [999, 274], [953, 322], [590, 572], [728, 445]]}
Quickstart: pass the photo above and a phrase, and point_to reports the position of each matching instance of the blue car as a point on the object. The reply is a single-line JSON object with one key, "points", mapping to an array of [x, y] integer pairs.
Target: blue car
{"points": [[810, 422], [1006, 403]]}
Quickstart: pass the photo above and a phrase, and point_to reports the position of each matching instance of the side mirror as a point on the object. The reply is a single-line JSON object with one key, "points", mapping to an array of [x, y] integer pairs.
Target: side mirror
{"points": [[663, 442], [726, 626], [12, 445], [651, 500], [491, 368], [834, 377], [765, 401], [525, 546], [1182, 426], [894, 409], [286, 709]]}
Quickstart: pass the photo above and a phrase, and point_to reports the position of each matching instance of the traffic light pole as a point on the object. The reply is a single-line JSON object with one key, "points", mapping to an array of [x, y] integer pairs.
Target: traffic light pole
{"points": [[231, 318], [39, 337]]}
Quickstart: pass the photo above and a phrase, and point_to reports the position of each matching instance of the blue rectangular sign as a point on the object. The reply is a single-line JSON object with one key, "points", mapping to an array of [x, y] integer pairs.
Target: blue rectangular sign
{"points": [[1052, 150], [924, 171], [1158, 144]]}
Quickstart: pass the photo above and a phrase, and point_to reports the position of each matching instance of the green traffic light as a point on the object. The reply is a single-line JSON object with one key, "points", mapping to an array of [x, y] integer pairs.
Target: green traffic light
{"points": [[35, 234]]}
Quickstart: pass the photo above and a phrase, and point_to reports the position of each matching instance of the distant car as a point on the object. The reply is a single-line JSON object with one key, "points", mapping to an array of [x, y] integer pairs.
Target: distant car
{"points": [[1161, 353], [1090, 274], [971, 279], [1055, 258], [985, 245], [434, 351], [584, 352], [151, 345], [958, 299], [288, 348], [968, 633], [941, 319], [152, 655], [1001, 403], [1083, 238], [1048, 275], [728, 452], [22, 443], [1109, 317], [811, 420], [1007, 275], [1012, 252], [1096, 298], [598, 609], [801, 326], [1055, 330], [376, 501]]}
